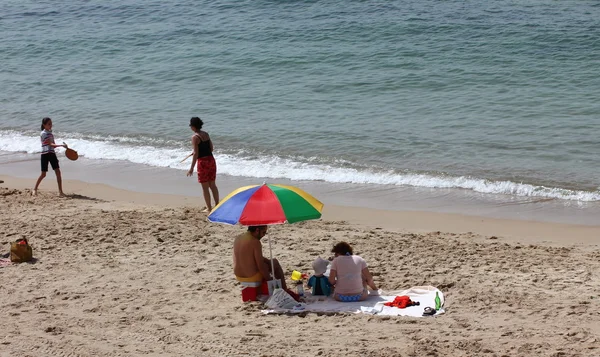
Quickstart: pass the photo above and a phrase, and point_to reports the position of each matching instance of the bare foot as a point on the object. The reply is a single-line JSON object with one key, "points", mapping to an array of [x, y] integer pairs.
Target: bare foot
{"points": [[61, 194], [34, 192], [205, 209]]}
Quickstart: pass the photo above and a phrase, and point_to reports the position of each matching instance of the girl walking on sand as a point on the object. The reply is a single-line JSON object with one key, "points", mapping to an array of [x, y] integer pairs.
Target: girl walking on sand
{"points": [[49, 156], [207, 167]]}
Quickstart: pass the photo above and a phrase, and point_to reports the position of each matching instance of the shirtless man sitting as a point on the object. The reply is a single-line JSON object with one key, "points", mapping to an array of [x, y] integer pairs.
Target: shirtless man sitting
{"points": [[249, 265]]}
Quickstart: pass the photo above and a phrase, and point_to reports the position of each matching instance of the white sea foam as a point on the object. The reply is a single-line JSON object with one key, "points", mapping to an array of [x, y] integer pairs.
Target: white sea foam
{"points": [[280, 168]]}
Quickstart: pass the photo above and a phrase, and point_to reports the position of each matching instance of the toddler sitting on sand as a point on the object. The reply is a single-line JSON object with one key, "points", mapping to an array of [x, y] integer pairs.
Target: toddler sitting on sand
{"points": [[319, 282]]}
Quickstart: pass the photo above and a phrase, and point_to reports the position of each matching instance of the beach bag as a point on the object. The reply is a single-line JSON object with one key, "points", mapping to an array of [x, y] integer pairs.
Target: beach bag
{"points": [[281, 300], [20, 251]]}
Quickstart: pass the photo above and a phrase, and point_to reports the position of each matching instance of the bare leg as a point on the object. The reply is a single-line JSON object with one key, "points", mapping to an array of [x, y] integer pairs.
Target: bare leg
{"points": [[215, 191], [39, 180], [278, 271], [206, 193], [59, 180]]}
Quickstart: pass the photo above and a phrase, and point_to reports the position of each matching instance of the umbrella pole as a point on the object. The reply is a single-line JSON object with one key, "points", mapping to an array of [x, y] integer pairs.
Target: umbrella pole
{"points": [[272, 264]]}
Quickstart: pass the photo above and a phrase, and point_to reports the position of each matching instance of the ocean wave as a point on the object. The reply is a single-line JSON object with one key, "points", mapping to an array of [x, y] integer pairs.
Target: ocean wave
{"points": [[275, 167]]}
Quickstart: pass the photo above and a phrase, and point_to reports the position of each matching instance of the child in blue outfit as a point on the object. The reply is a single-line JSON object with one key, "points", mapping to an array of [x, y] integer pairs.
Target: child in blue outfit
{"points": [[319, 282]]}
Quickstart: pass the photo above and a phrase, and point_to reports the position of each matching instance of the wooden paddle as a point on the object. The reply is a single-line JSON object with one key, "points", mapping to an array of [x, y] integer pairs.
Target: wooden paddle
{"points": [[70, 153]]}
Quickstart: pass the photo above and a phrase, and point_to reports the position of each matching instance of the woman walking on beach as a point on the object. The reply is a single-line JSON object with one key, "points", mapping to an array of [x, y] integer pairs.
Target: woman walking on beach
{"points": [[207, 167], [49, 156]]}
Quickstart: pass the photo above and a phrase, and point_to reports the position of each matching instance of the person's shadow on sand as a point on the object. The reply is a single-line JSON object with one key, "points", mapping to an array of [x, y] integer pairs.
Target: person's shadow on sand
{"points": [[76, 196]]}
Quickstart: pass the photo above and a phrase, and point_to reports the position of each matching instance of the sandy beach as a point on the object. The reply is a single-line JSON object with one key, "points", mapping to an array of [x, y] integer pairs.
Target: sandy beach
{"points": [[454, 145], [122, 273]]}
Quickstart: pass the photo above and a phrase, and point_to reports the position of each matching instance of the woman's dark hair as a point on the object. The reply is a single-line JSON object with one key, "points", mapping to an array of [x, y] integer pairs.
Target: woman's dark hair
{"points": [[196, 123], [342, 248], [44, 122]]}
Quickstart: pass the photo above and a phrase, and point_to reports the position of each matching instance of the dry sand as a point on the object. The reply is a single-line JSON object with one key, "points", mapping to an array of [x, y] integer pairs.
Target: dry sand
{"points": [[126, 274]]}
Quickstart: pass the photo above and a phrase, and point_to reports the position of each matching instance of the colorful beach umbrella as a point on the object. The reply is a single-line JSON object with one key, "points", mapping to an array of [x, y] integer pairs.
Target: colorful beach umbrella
{"points": [[266, 204]]}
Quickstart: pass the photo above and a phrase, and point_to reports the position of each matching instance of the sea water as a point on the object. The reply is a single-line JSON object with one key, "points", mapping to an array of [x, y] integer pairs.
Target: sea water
{"points": [[497, 98]]}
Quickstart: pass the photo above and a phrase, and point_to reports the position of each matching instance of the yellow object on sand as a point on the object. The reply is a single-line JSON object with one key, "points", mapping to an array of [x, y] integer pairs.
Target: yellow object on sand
{"points": [[296, 275]]}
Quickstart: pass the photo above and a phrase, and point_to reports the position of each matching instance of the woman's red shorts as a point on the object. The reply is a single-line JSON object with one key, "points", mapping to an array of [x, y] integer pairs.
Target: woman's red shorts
{"points": [[207, 169]]}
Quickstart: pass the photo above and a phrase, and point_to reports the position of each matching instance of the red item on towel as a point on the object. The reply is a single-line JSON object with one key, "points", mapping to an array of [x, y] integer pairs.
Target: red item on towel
{"points": [[401, 302]]}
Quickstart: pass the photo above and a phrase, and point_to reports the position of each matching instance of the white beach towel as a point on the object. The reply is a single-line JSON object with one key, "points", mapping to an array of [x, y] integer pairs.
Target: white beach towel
{"points": [[373, 305]]}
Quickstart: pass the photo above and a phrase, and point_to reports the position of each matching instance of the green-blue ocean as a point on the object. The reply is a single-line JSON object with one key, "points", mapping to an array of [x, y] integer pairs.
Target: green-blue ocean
{"points": [[493, 97]]}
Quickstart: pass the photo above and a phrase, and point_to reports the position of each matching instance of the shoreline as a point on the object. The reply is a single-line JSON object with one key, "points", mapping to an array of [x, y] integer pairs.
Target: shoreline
{"points": [[142, 178], [509, 230], [168, 153]]}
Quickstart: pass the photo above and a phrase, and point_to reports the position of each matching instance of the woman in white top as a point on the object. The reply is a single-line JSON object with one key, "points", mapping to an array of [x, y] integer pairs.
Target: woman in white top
{"points": [[349, 274]]}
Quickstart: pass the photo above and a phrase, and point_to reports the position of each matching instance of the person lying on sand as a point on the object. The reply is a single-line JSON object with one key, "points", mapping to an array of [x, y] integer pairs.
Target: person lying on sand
{"points": [[249, 265]]}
